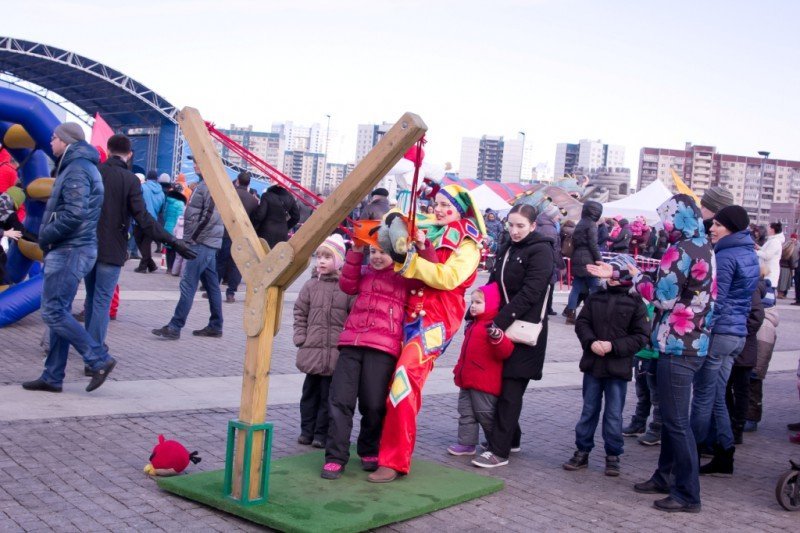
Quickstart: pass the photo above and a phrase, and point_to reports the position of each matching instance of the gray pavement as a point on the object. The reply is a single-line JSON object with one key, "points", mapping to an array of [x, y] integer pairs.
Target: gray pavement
{"points": [[73, 462]]}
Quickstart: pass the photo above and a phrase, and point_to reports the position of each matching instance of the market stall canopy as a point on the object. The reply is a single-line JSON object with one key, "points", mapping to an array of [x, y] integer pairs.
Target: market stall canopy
{"points": [[486, 198], [643, 203]]}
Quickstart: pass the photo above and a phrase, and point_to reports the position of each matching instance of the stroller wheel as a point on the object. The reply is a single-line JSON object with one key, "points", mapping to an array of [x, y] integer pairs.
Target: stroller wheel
{"points": [[787, 490]]}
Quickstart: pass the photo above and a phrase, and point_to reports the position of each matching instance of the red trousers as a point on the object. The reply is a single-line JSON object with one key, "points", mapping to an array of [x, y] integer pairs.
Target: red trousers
{"points": [[404, 402]]}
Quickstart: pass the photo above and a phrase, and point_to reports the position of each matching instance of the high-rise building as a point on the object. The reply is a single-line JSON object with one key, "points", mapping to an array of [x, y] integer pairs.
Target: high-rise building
{"points": [[308, 168], [294, 138], [491, 158], [368, 136], [335, 173], [700, 167], [264, 144], [588, 155]]}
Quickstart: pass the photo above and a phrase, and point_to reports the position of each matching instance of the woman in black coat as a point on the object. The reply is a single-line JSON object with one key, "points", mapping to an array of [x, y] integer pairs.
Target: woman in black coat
{"points": [[523, 271], [276, 214], [585, 252]]}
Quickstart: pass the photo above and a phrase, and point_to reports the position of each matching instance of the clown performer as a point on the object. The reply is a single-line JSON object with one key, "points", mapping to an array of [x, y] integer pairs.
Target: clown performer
{"points": [[435, 314]]}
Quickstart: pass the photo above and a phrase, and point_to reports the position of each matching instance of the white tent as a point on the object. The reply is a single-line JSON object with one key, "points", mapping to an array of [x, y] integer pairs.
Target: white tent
{"points": [[486, 198], [643, 203]]}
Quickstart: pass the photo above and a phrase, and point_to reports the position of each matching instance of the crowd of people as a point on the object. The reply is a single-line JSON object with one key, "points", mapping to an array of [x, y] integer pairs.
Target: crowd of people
{"points": [[696, 333]]}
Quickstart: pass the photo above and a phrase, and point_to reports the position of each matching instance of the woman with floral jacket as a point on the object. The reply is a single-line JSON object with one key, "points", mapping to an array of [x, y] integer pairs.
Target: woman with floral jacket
{"points": [[683, 291]]}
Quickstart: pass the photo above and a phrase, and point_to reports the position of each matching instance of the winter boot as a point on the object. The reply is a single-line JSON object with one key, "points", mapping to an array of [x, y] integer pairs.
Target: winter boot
{"points": [[721, 464], [570, 316], [578, 461]]}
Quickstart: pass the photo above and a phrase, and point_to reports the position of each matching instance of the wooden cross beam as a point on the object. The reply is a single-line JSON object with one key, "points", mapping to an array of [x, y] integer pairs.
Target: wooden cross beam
{"points": [[268, 272]]}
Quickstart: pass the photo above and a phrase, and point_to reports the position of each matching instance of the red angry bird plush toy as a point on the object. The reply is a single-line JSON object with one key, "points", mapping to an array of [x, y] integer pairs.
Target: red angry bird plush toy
{"points": [[169, 458]]}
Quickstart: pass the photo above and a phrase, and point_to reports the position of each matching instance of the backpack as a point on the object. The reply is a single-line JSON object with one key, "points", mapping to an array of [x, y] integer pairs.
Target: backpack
{"points": [[567, 246]]}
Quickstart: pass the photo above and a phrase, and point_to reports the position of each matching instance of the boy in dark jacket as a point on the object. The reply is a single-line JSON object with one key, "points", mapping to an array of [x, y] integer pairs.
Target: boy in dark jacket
{"points": [[611, 327], [479, 370]]}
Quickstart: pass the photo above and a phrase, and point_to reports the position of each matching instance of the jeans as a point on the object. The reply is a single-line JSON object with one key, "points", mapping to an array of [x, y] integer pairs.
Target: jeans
{"points": [[594, 391], [64, 268], [678, 466], [202, 268], [647, 395], [100, 283], [579, 283], [710, 383]]}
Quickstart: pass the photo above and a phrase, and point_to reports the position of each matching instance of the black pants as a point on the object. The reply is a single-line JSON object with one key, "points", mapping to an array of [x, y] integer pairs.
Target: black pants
{"points": [[145, 244], [314, 407], [737, 396], [226, 267], [170, 258], [507, 433], [361, 374]]}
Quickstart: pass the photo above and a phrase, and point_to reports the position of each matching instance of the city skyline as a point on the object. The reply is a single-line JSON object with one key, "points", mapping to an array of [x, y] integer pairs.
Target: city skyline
{"points": [[625, 73]]}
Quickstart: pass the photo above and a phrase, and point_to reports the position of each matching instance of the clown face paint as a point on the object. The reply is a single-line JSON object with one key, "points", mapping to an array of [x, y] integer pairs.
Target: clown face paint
{"points": [[444, 211]]}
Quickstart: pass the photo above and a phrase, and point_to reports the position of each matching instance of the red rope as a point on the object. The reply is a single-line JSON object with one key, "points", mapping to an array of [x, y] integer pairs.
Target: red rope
{"points": [[298, 190], [412, 214]]}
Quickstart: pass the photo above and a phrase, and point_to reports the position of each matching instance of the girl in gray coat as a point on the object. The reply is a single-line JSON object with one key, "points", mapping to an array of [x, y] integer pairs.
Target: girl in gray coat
{"points": [[319, 315]]}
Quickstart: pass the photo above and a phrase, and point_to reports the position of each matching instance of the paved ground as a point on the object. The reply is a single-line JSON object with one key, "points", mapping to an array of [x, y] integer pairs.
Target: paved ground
{"points": [[72, 462]]}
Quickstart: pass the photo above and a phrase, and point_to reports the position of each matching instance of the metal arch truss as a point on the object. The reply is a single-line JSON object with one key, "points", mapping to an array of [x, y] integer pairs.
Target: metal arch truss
{"points": [[48, 95], [94, 68]]}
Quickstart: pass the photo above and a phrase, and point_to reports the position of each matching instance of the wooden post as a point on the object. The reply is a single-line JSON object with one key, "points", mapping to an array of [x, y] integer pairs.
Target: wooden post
{"points": [[268, 272]]}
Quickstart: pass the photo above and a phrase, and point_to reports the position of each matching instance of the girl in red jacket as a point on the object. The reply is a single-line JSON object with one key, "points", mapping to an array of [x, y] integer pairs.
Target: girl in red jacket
{"points": [[368, 350], [479, 370]]}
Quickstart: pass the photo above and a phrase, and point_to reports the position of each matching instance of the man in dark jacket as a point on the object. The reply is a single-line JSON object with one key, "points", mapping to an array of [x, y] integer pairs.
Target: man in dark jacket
{"points": [[547, 225], [494, 227], [68, 237], [276, 215], [378, 205], [122, 200], [202, 231], [585, 252], [226, 267], [737, 278]]}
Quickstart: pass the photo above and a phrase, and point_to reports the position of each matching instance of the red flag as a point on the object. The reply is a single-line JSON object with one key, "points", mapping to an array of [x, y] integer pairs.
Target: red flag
{"points": [[101, 131]]}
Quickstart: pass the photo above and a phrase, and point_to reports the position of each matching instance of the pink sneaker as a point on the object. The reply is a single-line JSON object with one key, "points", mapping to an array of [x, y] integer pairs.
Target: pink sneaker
{"points": [[460, 449], [369, 463], [332, 471], [795, 438]]}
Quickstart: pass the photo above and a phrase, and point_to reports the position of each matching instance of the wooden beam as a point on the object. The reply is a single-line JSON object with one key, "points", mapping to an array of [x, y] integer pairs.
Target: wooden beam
{"points": [[248, 252], [379, 161]]}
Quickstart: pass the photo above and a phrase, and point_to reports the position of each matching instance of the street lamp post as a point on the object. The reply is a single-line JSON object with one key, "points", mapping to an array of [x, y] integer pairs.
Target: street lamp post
{"points": [[327, 138], [523, 155], [764, 155]]}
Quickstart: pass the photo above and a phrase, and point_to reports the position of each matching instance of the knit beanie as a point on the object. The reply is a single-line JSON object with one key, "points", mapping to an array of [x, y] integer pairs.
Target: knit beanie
{"points": [[335, 244], [16, 194], [716, 197], [623, 265], [733, 217], [380, 191], [70, 132], [164, 178]]}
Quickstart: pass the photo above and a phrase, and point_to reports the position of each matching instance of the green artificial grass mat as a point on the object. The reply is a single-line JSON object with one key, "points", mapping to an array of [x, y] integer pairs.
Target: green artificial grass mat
{"points": [[300, 500]]}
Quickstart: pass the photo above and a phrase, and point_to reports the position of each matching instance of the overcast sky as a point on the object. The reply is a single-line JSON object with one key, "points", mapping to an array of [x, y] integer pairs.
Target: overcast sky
{"points": [[636, 73]]}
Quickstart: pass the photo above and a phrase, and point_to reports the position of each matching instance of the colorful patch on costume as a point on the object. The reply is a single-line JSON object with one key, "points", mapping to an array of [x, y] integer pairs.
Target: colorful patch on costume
{"points": [[433, 338], [472, 231], [451, 238], [411, 330], [400, 388]]}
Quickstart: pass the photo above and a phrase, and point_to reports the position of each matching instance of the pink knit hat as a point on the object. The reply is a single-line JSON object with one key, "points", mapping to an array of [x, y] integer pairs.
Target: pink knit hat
{"points": [[335, 244]]}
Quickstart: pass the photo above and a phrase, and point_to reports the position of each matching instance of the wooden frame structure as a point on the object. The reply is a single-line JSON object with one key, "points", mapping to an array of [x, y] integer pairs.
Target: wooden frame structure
{"points": [[268, 272]]}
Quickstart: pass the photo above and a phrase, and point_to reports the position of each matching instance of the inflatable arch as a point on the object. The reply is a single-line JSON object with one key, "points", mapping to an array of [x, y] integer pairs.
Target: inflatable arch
{"points": [[26, 127]]}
